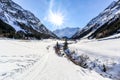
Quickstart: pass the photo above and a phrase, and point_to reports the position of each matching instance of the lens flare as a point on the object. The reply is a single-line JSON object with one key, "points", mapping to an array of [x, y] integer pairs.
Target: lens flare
{"points": [[56, 19]]}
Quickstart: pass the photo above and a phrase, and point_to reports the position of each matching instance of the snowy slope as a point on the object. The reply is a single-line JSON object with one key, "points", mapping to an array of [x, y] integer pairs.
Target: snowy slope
{"points": [[31, 60], [102, 53], [22, 21], [102, 22], [101, 47], [65, 32]]}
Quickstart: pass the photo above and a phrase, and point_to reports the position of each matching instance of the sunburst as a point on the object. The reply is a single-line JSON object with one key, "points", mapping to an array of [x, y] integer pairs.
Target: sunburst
{"points": [[56, 18]]}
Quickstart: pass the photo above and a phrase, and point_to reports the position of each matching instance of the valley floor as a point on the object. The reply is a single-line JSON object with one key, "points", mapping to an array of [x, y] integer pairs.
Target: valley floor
{"points": [[36, 60]]}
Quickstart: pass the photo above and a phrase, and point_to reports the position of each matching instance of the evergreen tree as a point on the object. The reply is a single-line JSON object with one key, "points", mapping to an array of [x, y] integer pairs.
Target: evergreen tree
{"points": [[57, 49], [104, 68], [57, 45], [65, 45]]}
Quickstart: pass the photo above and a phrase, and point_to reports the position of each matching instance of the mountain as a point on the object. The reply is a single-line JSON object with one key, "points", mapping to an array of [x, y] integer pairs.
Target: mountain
{"points": [[104, 25], [65, 32], [15, 22]]}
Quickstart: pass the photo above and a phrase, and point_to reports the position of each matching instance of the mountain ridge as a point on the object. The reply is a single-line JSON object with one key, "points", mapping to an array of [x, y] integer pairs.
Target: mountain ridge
{"points": [[65, 32], [25, 23], [102, 22]]}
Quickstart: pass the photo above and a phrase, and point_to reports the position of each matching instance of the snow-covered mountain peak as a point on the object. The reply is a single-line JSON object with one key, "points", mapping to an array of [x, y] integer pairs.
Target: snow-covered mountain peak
{"points": [[65, 32], [22, 20], [110, 14]]}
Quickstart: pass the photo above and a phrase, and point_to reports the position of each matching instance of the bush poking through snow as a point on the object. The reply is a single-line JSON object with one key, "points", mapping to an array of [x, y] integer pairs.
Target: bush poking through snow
{"points": [[80, 60], [83, 60]]}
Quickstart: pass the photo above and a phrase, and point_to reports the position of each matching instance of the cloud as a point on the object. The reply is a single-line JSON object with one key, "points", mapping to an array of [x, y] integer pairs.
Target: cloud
{"points": [[51, 5], [51, 2]]}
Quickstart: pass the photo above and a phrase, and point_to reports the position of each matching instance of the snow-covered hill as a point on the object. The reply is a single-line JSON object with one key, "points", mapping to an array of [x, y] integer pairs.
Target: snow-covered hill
{"points": [[102, 56], [105, 24], [22, 22], [65, 32]]}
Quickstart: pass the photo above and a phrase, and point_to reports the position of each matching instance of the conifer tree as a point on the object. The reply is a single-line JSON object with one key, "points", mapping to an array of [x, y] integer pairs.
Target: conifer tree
{"points": [[65, 45]]}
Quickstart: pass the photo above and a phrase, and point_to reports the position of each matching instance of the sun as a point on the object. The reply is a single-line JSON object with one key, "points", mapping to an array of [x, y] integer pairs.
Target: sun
{"points": [[56, 19]]}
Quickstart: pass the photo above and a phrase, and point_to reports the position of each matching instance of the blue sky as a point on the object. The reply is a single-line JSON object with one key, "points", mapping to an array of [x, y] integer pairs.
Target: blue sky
{"points": [[75, 13]]}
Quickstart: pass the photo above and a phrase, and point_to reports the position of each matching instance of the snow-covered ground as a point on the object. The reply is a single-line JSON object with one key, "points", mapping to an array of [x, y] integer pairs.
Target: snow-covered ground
{"points": [[103, 53], [98, 48], [36, 60]]}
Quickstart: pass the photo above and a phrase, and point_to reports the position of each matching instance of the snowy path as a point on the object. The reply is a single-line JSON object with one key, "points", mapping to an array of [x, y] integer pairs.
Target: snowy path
{"points": [[57, 68], [47, 66], [36, 70]]}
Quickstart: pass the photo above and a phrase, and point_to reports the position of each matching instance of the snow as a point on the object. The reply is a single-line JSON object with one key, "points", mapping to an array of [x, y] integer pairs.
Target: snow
{"points": [[99, 47], [101, 52], [11, 22], [13, 13], [111, 12], [0, 10], [31, 60], [66, 32], [117, 12]]}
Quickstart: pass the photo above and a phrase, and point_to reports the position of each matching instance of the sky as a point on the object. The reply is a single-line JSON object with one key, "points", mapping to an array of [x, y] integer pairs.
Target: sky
{"points": [[57, 14]]}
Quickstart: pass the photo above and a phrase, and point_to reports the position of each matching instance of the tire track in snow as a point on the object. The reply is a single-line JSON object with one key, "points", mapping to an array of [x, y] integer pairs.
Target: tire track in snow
{"points": [[41, 73], [36, 69]]}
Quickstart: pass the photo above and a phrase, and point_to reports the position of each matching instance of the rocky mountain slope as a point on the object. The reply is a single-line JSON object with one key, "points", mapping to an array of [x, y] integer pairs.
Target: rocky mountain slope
{"points": [[65, 32], [104, 25], [15, 22]]}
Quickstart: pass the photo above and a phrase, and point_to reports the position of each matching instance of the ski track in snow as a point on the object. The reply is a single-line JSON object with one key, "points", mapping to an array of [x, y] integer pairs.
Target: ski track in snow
{"points": [[12, 65]]}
